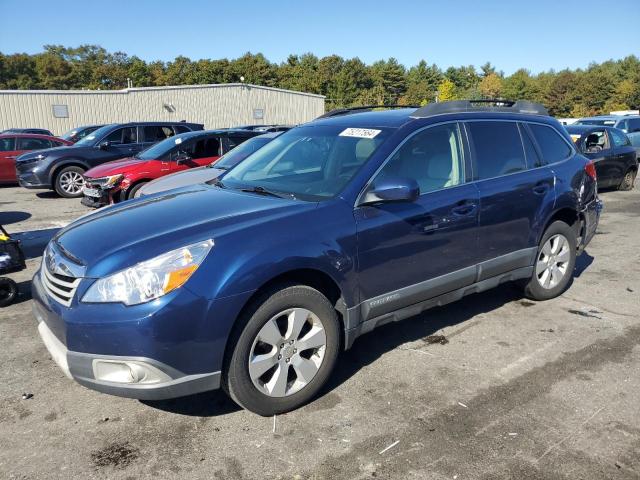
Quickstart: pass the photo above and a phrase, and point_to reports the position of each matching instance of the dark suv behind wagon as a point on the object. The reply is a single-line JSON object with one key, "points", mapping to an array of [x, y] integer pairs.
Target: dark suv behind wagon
{"points": [[61, 169], [255, 281]]}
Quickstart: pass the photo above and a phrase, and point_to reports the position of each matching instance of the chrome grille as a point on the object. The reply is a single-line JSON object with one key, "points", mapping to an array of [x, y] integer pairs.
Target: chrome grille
{"points": [[57, 285]]}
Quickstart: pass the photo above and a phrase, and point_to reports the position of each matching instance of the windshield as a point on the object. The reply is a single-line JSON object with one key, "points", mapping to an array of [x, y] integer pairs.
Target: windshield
{"points": [[242, 151], [311, 163], [595, 122], [90, 140]]}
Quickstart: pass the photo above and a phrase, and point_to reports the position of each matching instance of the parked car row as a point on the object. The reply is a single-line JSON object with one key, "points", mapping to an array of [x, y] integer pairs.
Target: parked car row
{"points": [[255, 280]]}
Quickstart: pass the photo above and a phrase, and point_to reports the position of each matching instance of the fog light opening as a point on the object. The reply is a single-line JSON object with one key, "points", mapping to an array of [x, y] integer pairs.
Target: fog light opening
{"points": [[129, 372]]}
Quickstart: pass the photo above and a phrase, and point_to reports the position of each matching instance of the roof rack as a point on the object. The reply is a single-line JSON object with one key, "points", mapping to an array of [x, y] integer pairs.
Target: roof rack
{"points": [[366, 108], [489, 105]]}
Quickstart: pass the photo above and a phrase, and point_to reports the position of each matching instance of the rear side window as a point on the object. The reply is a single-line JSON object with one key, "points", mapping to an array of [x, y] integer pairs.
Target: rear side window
{"points": [[33, 144], [533, 159], [155, 133], [619, 138], [122, 136], [498, 148], [554, 148], [7, 144]]}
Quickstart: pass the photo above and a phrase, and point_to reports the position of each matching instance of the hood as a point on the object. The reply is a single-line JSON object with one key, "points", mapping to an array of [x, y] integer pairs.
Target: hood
{"points": [[192, 176], [124, 165], [120, 236], [56, 152]]}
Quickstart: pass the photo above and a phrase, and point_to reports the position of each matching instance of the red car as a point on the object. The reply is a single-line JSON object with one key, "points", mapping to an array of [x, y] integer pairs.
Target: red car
{"points": [[15, 144], [119, 180]]}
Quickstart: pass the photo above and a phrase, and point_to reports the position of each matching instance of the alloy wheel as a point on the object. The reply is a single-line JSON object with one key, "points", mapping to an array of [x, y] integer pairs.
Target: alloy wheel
{"points": [[71, 182], [553, 261], [287, 352]]}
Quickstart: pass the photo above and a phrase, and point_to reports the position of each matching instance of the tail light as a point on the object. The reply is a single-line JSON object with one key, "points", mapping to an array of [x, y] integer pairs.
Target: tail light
{"points": [[590, 169]]}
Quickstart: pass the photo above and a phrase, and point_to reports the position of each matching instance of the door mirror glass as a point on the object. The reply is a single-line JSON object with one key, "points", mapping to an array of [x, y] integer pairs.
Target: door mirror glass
{"points": [[398, 189], [181, 157]]}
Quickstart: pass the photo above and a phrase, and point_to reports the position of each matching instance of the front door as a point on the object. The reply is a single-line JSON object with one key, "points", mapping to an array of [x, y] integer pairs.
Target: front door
{"points": [[8, 154], [410, 252], [515, 195], [196, 153], [121, 143]]}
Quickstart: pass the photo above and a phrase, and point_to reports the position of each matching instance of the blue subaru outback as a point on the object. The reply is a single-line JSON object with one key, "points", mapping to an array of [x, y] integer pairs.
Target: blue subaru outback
{"points": [[255, 282]]}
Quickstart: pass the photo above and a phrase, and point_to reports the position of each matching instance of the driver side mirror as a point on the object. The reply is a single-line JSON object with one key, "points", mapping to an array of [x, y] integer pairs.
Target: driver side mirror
{"points": [[104, 145], [396, 189], [181, 158]]}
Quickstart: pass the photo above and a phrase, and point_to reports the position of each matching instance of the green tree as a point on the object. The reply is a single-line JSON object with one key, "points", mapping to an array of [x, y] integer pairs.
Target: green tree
{"points": [[491, 86], [447, 91]]}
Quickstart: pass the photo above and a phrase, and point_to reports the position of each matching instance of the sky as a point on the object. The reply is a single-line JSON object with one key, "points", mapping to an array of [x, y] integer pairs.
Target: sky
{"points": [[536, 34]]}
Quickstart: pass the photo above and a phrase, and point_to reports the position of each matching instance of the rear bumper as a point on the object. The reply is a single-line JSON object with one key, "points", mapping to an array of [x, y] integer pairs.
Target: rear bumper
{"points": [[82, 367]]}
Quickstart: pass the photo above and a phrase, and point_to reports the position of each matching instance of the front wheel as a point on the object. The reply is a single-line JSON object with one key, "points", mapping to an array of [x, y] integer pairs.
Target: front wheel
{"points": [[69, 182], [285, 351], [555, 261], [628, 180]]}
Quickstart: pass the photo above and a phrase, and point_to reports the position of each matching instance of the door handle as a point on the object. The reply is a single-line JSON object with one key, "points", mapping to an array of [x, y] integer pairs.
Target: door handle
{"points": [[464, 210]]}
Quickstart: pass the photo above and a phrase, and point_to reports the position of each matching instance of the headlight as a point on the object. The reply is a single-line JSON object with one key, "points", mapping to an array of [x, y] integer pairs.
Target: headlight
{"points": [[107, 182], [151, 279]]}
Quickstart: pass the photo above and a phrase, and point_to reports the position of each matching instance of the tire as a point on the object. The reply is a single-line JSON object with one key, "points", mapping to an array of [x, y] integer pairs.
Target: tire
{"points": [[628, 180], [8, 291], [546, 282], [69, 182], [131, 194], [263, 330]]}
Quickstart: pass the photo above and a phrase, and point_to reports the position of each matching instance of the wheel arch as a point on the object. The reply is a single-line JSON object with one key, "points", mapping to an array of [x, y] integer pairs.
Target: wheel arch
{"points": [[53, 174], [311, 277], [565, 214]]}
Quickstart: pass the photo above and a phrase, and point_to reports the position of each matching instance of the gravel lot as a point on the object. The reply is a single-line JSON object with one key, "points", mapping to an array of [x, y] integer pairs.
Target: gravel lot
{"points": [[521, 390]]}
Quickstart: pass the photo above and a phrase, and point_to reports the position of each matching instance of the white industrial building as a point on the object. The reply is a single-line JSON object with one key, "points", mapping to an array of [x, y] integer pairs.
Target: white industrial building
{"points": [[216, 106]]}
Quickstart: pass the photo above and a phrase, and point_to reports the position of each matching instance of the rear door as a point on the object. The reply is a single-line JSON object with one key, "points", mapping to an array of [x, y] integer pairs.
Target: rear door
{"points": [[624, 156], [8, 154], [411, 251], [516, 191]]}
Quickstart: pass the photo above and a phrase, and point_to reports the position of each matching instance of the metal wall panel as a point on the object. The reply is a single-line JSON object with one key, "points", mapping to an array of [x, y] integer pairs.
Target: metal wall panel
{"points": [[217, 106]]}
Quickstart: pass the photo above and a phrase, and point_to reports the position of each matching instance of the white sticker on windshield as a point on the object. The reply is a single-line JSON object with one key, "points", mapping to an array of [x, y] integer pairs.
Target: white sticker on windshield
{"points": [[178, 141], [359, 132]]}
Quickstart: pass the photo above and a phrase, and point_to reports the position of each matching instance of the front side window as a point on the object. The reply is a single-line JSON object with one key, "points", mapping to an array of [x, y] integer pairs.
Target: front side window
{"points": [[619, 138], [596, 141], [311, 163], [122, 136], [155, 133], [497, 147], [554, 148], [431, 157], [203, 148], [33, 144], [7, 144]]}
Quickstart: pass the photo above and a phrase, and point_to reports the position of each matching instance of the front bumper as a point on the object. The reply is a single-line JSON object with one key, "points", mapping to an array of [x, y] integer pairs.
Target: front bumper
{"points": [[179, 339], [82, 367]]}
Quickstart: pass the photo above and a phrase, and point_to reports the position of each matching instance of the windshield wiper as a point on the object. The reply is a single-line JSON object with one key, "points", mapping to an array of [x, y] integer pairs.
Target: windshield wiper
{"points": [[217, 182], [263, 191]]}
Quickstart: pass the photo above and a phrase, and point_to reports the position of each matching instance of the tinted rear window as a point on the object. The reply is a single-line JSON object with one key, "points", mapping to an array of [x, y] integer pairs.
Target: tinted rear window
{"points": [[498, 148], [553, 146], [7, 144]]}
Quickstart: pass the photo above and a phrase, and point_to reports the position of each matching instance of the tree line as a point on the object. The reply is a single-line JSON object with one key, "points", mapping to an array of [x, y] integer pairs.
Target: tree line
{"points": [[598, 88]]}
